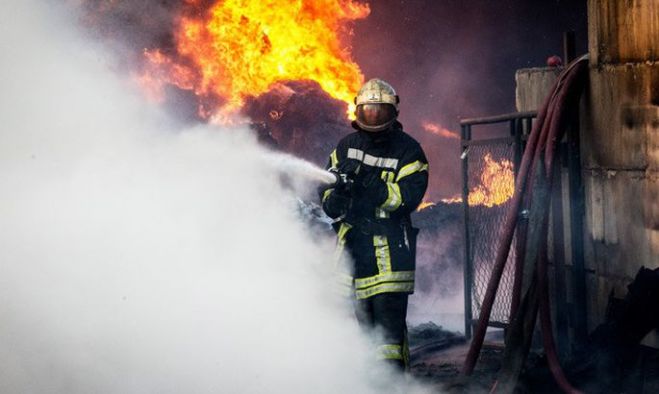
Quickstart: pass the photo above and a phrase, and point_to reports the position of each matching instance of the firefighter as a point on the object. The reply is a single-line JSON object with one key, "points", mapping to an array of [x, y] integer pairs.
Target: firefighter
{"points": [[382, 175]]}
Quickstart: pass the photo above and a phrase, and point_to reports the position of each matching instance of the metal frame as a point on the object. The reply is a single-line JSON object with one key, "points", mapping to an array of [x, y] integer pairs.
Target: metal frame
{"points": [[520, 126]]}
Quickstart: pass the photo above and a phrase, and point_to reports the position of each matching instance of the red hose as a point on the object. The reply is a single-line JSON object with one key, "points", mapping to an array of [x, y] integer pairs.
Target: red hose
{"points": [[504, 245], [522, 228], [547, 131], [577, 81], [546, 329], [555, 135], [528, 159]]}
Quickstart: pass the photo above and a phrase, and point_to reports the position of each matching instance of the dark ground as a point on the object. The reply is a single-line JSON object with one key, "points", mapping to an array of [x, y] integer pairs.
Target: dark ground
{"points": [[441, 370], [611, 361], [437, 361]]}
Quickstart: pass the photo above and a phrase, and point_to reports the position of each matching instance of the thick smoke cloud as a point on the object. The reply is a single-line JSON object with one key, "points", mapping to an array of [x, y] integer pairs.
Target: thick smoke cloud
{"points": [[133, 25], [439, 284], [136, 256]]}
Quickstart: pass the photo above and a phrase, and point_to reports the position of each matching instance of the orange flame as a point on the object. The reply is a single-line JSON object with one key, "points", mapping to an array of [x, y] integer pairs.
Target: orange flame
{"points": [[439, 130], [241, 48], [425, 204], [159, 71], [497, 184], [452, 200]]}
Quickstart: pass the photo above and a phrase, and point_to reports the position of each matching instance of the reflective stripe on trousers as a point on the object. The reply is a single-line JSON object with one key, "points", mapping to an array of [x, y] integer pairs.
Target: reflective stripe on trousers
{"points": [[386, 280]]}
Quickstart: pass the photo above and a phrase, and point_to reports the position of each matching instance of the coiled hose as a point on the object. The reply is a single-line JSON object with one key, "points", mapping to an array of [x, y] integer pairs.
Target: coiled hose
{"points": [[547, 131]]}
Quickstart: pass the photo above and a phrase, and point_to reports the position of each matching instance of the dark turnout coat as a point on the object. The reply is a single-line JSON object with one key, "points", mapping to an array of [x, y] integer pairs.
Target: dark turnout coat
{"points": [[373, 218]]}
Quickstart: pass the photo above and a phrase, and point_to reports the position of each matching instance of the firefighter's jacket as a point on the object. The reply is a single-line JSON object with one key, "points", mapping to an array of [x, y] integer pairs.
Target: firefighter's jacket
{"points": [[390, 171]]}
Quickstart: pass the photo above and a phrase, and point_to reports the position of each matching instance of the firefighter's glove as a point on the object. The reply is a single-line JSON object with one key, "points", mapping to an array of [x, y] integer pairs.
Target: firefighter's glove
{"points": [[344, 183], [337, 204], [369, 188]]}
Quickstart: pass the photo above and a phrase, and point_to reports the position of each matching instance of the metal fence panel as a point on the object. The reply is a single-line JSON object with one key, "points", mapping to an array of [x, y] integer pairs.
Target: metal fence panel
{"points": [[485, 223]]}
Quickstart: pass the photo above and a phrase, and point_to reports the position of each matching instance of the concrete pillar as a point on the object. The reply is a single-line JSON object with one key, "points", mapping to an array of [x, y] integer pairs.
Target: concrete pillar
{"points": [[533, 85], [620, 147]]}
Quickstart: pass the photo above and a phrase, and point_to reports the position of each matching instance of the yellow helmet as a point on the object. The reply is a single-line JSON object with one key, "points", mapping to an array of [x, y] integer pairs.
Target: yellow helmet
{"points": [[377, 105]]}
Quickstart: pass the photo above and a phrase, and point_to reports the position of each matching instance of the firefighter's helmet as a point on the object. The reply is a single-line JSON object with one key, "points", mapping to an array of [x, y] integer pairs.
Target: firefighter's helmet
{"points": [[377, 105]]}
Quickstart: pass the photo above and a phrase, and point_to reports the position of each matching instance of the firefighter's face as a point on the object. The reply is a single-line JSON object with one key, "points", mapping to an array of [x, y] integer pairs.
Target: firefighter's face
{"points": [[375, 115]]}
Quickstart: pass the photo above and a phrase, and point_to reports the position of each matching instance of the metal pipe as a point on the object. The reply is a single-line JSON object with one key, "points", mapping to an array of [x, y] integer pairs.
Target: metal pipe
{"points": [[520, 232], [467, 254], [497, 118], [558, 246]]}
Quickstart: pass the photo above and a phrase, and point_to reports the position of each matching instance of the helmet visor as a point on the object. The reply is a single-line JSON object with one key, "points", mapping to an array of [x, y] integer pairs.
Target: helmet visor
{"points": [[376, 115]]}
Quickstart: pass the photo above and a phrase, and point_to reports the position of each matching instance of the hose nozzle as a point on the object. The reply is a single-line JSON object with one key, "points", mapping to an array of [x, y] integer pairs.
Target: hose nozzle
{"points": [[342, 181]]}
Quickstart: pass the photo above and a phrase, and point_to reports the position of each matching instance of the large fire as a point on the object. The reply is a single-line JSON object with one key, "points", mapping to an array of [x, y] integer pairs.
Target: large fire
{"points": [[497, 184], [242, 48]]}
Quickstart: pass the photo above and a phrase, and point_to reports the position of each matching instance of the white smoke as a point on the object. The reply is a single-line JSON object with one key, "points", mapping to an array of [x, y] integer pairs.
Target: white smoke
{"points": [[139, 257]]}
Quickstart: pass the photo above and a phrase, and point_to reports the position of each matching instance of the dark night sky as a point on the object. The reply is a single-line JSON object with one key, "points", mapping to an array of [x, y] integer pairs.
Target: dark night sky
{"points": [[450, 59]]}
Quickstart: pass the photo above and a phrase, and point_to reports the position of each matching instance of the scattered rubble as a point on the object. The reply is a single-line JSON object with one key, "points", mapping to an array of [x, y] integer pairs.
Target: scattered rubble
{"points": [[428, 338]]}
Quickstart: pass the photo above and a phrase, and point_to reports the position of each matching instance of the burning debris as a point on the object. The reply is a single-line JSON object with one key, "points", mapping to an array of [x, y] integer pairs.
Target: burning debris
{"points": [[240, 49], [228, 51], [307, 121], [286, 69]]}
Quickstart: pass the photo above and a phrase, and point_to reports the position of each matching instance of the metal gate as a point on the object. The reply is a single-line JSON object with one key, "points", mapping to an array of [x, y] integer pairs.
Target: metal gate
{"points": [[484, 220]]}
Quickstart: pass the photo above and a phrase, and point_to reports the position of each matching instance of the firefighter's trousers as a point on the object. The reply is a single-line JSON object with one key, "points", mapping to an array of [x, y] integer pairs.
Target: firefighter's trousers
{"points": [[385, 313]]}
